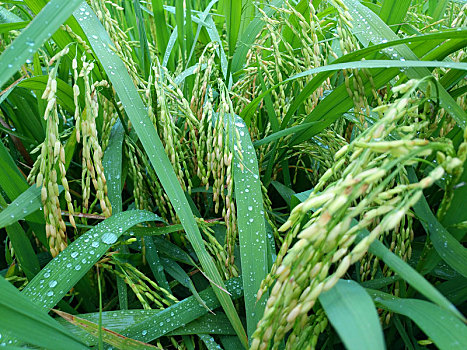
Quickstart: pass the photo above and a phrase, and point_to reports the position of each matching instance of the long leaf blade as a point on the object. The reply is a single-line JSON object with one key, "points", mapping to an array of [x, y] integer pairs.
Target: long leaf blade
{"points": [[353, 315], [35, 34], [63, 272], [108, 336], [446, 331], [21, 318], [250, 221], [153, 146]]}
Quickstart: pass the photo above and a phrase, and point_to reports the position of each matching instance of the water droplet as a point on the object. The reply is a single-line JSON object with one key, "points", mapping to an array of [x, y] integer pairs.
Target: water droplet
{"points": [[50, 293], [109, 238], [52, 283], [47, 275], [144, 332], [74, 255], [95, 244]]}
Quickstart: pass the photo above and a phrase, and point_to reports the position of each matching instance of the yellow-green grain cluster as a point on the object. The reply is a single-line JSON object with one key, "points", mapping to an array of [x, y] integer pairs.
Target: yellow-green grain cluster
{"points": [[92, 169], [49, 168], [362, 198]]}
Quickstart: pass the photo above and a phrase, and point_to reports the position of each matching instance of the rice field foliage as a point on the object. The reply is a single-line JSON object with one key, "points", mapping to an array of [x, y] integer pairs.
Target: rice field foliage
{"points": [[283, 174]]}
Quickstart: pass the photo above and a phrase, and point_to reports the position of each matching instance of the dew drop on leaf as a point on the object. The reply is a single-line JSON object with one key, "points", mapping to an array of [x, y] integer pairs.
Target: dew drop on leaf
{"points": [[52, 283], [109, 238]]}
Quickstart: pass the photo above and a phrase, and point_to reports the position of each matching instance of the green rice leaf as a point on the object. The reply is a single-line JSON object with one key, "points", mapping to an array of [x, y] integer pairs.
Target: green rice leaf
{"points": [[14, 184], [7, 16], [24, 252], [174, 270], [156, 231], [209, 341], [118, 320], [22, 318], [455, 289], [394, 11], [112, 163], [445, 330], [26, 203], [63, 272], [359, 54], [289, 131], [64, 91], [34, 35], [233, 14], [179, 314], [247, 113], [353, 315], [180, 20], [410, 275], [162, 32], [436, 9], [250, 219], [207, 324], [108, 336], [144, 55], [173, 251], [152, 144], [154, 263], [6, 27], [448, 248]]}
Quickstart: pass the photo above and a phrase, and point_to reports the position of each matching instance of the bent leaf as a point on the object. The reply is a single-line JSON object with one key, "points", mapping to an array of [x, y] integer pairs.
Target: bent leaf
{"points": [[353, 315]]}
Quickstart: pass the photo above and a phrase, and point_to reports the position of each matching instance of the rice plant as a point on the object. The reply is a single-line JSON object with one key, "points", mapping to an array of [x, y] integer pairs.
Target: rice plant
{"points": [[230, 174]]}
